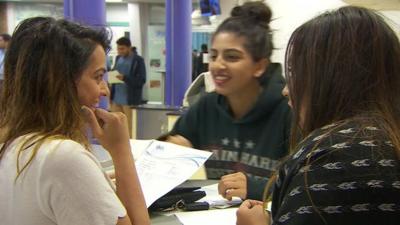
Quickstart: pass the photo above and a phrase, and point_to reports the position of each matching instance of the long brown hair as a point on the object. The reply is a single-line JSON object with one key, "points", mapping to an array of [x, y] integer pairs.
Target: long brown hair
{"points": [[43, 63], [341, 66], [344, 64]]}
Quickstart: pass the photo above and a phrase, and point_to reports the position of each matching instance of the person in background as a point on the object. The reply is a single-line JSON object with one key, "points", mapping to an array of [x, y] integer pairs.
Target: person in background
{"points": [[202, 61], [194, 64], [246, 121], [132, 71], [343, 88], [4, 40], [53, 82]]}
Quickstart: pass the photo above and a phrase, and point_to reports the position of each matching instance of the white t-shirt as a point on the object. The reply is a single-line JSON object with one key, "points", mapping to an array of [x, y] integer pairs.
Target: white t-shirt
{"points": [[64, 184]]}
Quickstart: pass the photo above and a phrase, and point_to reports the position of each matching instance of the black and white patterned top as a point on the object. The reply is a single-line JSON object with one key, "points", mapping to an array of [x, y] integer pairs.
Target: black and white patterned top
{"points": [[341, 174]]}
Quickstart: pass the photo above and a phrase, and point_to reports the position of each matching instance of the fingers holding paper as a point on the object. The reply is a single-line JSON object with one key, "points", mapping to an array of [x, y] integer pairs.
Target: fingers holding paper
{"points": [[252, 212], [233, 185], [115, 77], [120, 77]]}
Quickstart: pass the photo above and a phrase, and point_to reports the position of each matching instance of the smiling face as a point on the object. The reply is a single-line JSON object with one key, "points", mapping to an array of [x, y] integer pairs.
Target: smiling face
{"points": [[232, 67], [91, 85]]}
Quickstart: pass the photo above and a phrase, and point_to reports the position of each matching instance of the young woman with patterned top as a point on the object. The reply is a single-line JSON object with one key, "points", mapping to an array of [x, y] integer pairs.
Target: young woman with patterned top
{"points": [[343, 73], [53, 82]]}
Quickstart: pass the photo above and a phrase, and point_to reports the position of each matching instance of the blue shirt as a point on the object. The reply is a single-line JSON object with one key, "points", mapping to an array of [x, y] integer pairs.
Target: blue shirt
{"points": [[123, 66], [2, 54]]}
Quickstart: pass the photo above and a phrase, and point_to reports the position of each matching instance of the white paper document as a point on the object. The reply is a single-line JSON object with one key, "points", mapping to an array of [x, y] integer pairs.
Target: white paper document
{"points": [[112, 77], [215, 200], [220, 212], [208, 217], [163, 166]]}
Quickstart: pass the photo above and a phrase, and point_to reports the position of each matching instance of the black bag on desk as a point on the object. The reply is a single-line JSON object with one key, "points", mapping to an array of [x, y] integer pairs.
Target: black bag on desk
{"points": [[179, 195]]}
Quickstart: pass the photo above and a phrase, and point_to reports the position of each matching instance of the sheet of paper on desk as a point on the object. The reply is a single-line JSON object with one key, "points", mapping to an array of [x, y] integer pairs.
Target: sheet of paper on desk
{"points": [[208, 217], [163, 166], [215, 200], [137, 146], [112, 77], [218, 213]]}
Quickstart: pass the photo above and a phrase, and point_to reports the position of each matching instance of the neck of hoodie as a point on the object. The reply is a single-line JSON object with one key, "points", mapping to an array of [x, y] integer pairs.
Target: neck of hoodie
{"points": [[242, 103]]}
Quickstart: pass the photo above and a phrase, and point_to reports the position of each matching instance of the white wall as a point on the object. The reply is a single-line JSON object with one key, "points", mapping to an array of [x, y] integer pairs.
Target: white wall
{"points": [[157, 14], [289, 14], [117, 14], [393, 19], [135, 26]]}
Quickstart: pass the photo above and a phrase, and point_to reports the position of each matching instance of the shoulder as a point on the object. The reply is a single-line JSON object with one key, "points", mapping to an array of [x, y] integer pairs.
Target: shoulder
{"points": [[62, 147], [60, 156], [70, 181], [203, 110], [67, 158], [207, 102], [336, 162], [137, 57], [344, 145]]}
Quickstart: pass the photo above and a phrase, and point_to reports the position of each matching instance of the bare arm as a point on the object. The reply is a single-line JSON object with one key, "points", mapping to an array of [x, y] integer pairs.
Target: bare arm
{"points": [[113, 136], [128, 188]]}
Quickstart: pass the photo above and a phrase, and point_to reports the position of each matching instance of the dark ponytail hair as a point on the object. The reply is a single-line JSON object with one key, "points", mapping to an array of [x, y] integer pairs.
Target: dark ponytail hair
{"points": [[251, 21]]}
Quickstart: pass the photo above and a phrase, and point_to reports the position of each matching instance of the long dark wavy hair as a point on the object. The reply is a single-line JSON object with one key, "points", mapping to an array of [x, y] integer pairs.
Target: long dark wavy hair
{"points": [[344, 64], [44, 61]]}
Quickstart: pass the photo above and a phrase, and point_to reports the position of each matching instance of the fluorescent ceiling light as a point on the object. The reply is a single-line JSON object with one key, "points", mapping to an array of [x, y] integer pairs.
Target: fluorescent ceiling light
{"points": [[114, 0]]}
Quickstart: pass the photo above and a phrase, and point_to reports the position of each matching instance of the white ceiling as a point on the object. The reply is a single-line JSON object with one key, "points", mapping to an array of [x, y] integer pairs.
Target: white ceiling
{"points": [[60, 1], [376, 4]]}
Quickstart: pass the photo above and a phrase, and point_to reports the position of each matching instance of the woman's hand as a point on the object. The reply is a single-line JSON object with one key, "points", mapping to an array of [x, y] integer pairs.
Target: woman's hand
{"points": [[252, 212], [233, 185], [109, 128]]}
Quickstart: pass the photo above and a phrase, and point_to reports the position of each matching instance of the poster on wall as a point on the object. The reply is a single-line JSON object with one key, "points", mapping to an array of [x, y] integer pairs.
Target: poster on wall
{"points": [[18, 11], [156, 71]]}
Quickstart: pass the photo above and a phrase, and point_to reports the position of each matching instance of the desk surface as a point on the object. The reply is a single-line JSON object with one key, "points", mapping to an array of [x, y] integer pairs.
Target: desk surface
{"points": [[208, 217], [158, 218]]}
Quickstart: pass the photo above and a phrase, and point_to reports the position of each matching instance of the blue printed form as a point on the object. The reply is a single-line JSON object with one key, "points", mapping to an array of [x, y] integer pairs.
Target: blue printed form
{"points": [[162, 166]]}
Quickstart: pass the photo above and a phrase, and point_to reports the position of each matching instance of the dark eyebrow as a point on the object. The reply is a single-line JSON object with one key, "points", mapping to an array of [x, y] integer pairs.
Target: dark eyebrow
{"points": [[100, 70], [229, 50]]}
